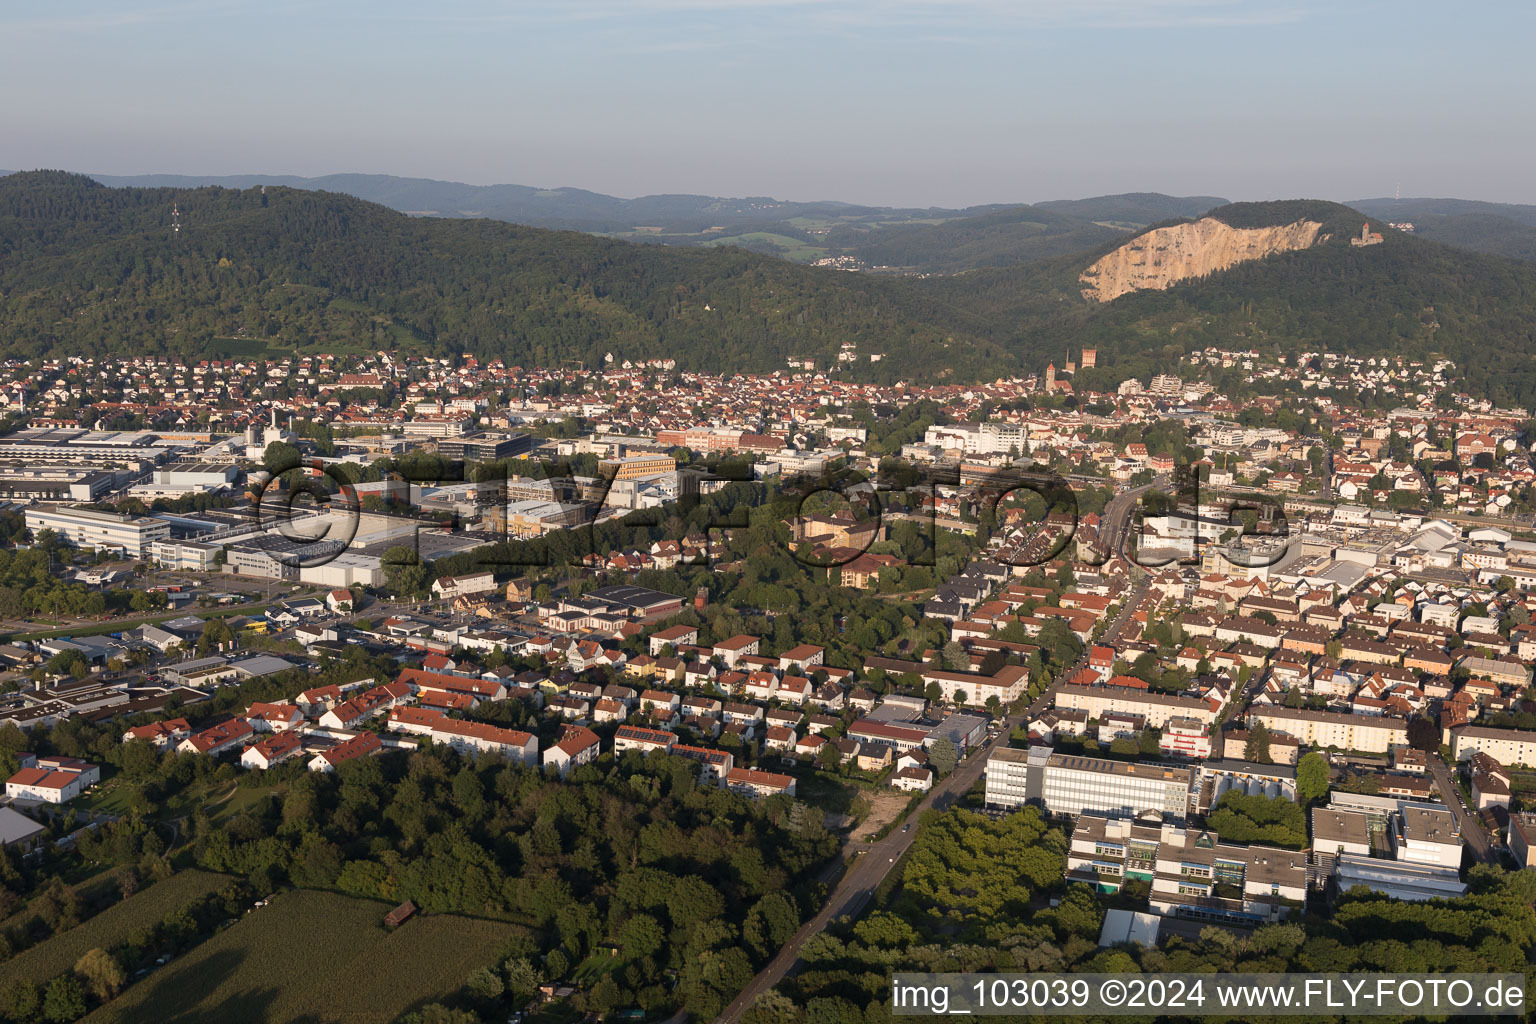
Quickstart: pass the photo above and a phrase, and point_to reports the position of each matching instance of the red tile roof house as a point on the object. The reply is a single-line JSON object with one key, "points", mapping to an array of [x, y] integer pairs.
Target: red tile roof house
{"points": [[483, 738], [672, 635], [361, 745], [161, 734], [480, 689], [273, 717], [52, 780], [350, 714], [751, 782], [275, 749], [629, 737], [578, 746], [913, 780], [445, 701], [322, 698], [217, 739], [780, 738], [807, 656]]}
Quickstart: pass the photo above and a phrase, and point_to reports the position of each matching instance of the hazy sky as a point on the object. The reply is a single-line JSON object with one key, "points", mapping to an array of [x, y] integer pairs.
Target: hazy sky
{"points": [[904, 102]]}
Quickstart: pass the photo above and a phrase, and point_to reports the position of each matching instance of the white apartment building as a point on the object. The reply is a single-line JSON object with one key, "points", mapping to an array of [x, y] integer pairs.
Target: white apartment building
{"points": [[1507, 746], [88, 528], [1185, 737], [1068, 785], [1371, 734], [1157, 708]]}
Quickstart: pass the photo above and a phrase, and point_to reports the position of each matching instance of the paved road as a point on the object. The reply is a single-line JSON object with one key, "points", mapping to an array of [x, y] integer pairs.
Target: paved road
{"points": [[1467, 821], [871, 867], [864, 876], [1115, 523]]}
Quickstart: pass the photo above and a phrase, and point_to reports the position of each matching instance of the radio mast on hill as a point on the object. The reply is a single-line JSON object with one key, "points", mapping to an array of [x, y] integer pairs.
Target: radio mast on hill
{"points": [[175, 219]]}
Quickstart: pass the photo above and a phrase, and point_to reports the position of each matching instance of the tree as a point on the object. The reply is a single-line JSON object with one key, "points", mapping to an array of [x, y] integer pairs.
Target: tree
{"points": [[1423, 734], [1312, 777], [942, 756], [102, 974], [1257, 748], [1124, 746], [641, 936], [21, 1000], [215, 633], [484, 984], [404, 572], [772, 1007], [934, 692], [280, 456], [955, 658], [522, 979], [63, 1001], [605, 995], [829, 757]]}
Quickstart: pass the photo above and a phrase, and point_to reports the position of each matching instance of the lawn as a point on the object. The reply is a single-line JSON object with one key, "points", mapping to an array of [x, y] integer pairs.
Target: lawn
{"points": [[789, 248], [236, 348], [113, 926], [313, 958], [594, 968], [110, 797], [237, 799]]}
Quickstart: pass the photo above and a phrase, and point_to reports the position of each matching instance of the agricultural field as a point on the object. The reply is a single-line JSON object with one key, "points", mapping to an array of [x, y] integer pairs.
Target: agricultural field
{"points": [[112, 927], [316, 958]]}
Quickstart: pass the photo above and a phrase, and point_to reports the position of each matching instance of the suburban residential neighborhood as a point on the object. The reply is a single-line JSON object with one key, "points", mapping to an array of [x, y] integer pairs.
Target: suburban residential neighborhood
{"points": [[1249, 660]]}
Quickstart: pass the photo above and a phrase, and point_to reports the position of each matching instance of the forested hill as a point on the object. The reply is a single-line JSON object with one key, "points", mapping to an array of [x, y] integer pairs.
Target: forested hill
{"points": [[1405, 296], [90, 269]]}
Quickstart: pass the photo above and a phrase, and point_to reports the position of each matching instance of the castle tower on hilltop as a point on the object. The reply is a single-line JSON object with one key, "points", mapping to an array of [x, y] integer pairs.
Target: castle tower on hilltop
{"points": [[1090, 358], [1367, 236]]}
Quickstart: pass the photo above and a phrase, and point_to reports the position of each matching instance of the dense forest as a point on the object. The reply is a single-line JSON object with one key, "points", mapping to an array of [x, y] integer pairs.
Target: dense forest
{"points": [[1404, 297], [88, 269], [92, 270]]}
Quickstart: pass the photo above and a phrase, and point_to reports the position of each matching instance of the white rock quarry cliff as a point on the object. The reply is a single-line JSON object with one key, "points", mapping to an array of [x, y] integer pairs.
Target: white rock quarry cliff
{"points": [[1165, 256]]}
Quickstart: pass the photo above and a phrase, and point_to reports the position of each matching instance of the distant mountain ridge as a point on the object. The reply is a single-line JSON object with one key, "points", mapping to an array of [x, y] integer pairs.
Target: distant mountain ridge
{"points": [[934, 240], [569, 208]]}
